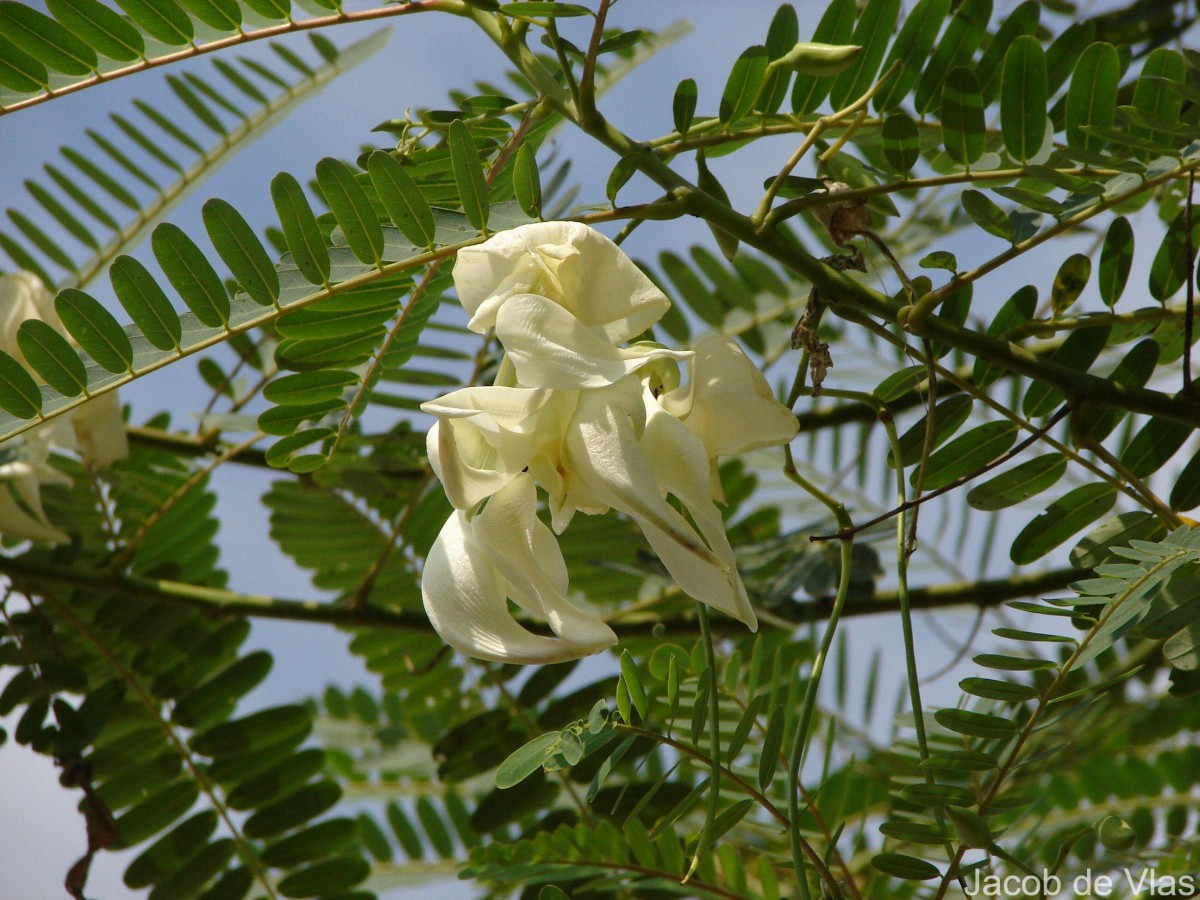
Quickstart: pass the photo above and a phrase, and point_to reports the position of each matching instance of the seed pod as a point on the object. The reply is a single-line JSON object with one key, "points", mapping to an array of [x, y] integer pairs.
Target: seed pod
{"points": [[809, 58]]}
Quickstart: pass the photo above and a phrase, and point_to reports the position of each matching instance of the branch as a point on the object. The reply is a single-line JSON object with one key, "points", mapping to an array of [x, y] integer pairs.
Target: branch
{"points": [[234, 40], [35, 576]]}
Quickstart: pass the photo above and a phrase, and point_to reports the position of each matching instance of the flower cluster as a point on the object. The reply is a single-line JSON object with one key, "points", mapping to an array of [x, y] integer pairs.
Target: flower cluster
{"points": [[596, 425], [95, 430]]}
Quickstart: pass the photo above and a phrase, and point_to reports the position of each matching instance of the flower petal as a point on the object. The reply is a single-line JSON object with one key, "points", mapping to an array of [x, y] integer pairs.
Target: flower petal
{"points": [[24, 296], [571, 264], [552, 348], [100, 430], [526, 554], [610, 465], [484, 436], [681, 467], [464, 598], [727, 402]]}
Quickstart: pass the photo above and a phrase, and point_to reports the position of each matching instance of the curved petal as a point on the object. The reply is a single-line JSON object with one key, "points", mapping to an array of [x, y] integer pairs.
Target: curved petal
{"points": [[681, 467], [552, 348], [464, 597], [571, 264], [24, 296], [611, 466], [26, 521], [100, 430], [727, 402], [483, 437], [527, 555]]}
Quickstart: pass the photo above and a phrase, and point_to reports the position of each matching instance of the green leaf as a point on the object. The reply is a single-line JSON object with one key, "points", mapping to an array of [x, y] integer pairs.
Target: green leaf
{"points": [[304, 388], [156, 812], [987, 215], [311, 843], [1012, 663], [146, 303], [1004, 691], [352, 210], [744, 84], [835, 27], [1169, 271], [284, 420], [949, 415], [1023, 97], [1066, 516], [222, 15], [1116, 259], [326, 877], [962, 117], [216, 696], [872, 32], [19, 394], [908, 868], [974, 724], [1152, 95], [170, 851], [191, 274], [901, 142], [913, 832], [1018, 483], [708, 182], [527, 184], [911, 48], [163, 20], [1154, 446], [435, 828], [970, 828], [95, 329], [292, 810], [683, 105], [49, 354], [547, 9], [768, 757], [1078, 351], [283, 777], [526, 760], [45, 40], [1185, 494], [1021, 20], [468, 175], [967, 453], [955, 47], [241, 250], [300, 229], [1070, 281], [1092, 96], [632, 680], [101, 28], [403, 200], [252, 733], [900, 383], [19, 71]]}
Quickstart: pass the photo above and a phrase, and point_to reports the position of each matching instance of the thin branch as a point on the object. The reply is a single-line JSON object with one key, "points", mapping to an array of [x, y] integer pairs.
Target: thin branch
{"points": [[34, 576], [1190, 308], [235, 40], [955, 484]]}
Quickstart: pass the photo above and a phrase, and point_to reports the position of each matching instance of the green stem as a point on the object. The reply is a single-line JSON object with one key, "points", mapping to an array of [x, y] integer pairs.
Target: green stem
{"points": [[714, 733], [35, 576]]}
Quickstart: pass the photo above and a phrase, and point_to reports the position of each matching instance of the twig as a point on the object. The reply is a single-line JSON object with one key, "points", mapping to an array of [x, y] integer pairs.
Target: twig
{"points": [[957, 483]]}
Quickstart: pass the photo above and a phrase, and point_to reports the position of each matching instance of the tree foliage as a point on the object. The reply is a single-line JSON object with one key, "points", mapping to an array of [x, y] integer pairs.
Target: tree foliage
{"points": [[953, 401]]}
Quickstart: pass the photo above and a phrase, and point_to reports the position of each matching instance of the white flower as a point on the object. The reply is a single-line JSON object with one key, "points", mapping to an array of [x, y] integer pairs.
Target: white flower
{"points": [[597, 426], [21, 477], [728, 404], [97, 428], [504, 552], [561, 297]]}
